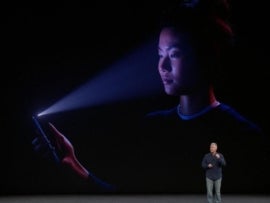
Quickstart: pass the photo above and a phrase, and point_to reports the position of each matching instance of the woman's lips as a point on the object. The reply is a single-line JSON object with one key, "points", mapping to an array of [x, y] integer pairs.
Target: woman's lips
{"points": [[167, 81]]}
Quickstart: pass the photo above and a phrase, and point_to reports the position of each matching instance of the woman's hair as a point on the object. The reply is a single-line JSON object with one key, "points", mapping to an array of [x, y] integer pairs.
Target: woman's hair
{"points": [[209, 18]]}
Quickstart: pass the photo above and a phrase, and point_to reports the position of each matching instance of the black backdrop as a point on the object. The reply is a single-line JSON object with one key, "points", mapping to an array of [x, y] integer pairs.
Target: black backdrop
{"points": [[50, 47]]}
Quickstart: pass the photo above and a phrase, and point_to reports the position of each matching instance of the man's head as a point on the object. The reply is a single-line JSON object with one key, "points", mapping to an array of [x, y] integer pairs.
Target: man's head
{"points": [[213, 147]]}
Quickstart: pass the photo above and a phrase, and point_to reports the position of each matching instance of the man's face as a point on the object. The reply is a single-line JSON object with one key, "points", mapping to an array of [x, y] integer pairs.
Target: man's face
{"points": [[213, 148], [178, 65]]}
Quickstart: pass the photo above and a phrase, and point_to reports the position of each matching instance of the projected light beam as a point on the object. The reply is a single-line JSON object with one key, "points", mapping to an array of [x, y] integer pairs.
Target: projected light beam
{"points": [[133, 77]]}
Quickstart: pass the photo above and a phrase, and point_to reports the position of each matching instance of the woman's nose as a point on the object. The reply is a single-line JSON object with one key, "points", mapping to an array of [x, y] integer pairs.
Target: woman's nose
{"points": [[165, 64]]}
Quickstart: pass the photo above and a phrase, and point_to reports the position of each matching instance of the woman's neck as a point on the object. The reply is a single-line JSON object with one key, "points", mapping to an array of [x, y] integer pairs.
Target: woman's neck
{"points": [[197, 102]]}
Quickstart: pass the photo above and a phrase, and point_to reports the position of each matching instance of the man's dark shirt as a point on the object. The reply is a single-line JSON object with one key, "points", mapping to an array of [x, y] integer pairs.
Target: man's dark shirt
{"points": [[214, 172]]}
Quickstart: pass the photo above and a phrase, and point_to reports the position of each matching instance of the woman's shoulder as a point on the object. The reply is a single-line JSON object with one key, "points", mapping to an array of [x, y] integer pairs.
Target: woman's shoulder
{"points": [[229, 115]]}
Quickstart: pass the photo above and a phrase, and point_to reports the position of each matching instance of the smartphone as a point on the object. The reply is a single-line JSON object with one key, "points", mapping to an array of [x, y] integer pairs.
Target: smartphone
{"points": [[42, 133]]}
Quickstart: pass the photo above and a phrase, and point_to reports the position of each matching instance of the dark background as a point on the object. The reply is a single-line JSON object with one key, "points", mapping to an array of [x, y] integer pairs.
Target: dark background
{"points": [[50, 48]]}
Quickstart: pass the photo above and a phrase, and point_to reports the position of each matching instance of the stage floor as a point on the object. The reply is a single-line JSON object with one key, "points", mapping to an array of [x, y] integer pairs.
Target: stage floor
{"points": [[134, 199]]}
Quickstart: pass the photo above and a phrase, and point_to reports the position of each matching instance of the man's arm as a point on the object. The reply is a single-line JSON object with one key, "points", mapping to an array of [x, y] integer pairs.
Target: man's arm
{"points": [[204, 162], [221, 159]]}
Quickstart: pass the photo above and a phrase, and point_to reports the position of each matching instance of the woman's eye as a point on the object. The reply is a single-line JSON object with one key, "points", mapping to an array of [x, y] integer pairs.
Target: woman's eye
{"points": [[160, 55], [176, 54]]}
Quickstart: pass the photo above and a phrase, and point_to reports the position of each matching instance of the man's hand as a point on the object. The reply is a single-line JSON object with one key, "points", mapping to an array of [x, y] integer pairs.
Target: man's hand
{"points": [[217, 155], [210, 165]]}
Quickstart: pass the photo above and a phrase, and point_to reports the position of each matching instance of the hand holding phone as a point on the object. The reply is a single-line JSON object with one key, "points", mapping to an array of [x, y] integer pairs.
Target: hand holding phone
{"points": [[45, 140]]}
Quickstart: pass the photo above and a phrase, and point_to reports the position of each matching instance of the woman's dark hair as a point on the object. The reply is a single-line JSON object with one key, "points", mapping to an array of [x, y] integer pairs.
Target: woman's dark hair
{"points": [[207, 17]]}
